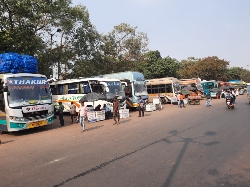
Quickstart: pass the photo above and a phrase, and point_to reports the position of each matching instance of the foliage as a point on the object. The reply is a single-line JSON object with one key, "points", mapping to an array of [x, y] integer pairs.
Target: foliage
{"points": [[208, 68], [154, 66], [123, 48]]}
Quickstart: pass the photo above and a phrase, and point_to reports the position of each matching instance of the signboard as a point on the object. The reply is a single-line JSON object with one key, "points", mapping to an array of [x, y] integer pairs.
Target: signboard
{"points": [[35, 108], [124, 113], [91, 117], [100, 115]]}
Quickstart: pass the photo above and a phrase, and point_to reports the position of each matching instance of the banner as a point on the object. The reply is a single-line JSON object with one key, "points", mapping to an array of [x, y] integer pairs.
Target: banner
{"points": [[91, 117], [100, 115], [124, 113]]}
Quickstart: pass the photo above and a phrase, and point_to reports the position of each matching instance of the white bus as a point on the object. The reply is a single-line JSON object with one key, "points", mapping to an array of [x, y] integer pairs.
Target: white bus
{"points": [[25, 101], [72, 90], [166, 88], [133, 84]]}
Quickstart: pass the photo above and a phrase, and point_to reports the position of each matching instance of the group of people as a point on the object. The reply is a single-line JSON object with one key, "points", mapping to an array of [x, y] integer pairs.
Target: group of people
{"points": [[82, 114]]}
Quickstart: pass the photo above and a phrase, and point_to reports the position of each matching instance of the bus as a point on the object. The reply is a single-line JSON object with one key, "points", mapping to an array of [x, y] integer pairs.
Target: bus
{"points": [[195, 82], [133, 84], [72, 90], [207, 85], [167, 88], [25, 102]]}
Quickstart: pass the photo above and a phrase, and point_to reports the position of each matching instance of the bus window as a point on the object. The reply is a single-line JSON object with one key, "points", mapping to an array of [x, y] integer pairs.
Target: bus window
{"points": [[149, 89], [72, 88], [60, 89], [84, 88], [168, 88], [128, 91], [162, 88], [155, 89]]}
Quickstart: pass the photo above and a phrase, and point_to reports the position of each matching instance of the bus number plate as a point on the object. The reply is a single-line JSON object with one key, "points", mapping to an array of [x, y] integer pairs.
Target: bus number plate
{"points": [[36, 124]]}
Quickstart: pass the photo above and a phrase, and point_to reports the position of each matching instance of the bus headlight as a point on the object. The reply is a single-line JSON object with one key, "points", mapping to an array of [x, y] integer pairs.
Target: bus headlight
{"points": [[19, 118]]}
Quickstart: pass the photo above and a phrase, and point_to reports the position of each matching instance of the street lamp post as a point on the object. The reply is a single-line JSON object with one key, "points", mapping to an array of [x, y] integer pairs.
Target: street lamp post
{"points": [[51, 44]]}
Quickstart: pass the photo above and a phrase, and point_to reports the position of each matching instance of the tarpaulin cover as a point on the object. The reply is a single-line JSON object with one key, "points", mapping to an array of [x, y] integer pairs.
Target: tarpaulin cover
{"points": [[16, 63]]}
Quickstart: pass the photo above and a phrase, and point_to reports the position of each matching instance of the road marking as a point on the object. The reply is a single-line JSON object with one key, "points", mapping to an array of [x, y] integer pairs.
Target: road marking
{"points": [[57, 160]]}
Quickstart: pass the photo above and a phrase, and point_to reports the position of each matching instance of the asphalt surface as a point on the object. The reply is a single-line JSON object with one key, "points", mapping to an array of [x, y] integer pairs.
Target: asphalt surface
{"points": [[196, 146]]}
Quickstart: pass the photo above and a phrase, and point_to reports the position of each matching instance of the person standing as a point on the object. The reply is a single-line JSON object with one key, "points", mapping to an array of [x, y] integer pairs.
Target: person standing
{"points": [[160, 105], [141, 107], [107, 111], [116, 113], [182, 101], [178, 99], [72, 111], [60, 111], [82, 115]]}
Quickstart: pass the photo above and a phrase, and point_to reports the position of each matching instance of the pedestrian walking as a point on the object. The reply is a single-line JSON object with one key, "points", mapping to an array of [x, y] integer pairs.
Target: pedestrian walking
{"points": [[178, 98], [72, 111], [60, 112], [82, 115], [182, 101], [208, 99], [116, 113], [141, 107]]}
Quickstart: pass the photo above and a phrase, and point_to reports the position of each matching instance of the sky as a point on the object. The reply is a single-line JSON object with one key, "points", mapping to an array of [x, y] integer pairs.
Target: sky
{"points": [[182, 28]]}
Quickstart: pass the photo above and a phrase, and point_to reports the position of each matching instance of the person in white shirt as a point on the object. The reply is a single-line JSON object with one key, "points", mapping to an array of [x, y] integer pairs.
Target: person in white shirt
{"points": [[82, 115]]}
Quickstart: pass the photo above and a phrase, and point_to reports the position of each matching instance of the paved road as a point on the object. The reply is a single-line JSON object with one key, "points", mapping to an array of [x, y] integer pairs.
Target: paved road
{"points": [[194, 146]]}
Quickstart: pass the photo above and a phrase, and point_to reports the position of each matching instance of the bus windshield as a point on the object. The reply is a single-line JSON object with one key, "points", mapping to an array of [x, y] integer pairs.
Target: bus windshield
{"points": [[140, 88], [28, 91], [208, 85]]}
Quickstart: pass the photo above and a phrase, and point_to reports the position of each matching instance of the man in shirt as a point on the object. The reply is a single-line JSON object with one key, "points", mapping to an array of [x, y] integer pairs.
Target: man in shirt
{"points": [[116, 113], [107, 111], [60, 111], [82, 115], [181, 101], [141, 107]]}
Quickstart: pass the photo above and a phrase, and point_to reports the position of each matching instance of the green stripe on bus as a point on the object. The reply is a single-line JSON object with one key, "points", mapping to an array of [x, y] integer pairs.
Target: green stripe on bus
{"points": [[3, 122], [17, 125]]}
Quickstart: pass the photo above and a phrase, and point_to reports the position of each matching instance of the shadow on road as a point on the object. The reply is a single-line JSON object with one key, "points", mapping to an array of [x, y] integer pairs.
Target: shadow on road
{"points": [[7, 141], [186, 142]]}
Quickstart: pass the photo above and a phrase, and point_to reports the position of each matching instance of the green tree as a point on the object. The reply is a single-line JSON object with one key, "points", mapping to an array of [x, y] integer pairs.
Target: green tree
{"points": [[123, 48], [188, 68], [208, 68], [154, 66]]}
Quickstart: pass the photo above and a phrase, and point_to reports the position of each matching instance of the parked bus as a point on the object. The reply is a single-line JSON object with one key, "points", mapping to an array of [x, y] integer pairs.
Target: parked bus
{"points": [[166, 88], [207, 85], [72, 90], [25, 101], [133, 84], [196, 83]]}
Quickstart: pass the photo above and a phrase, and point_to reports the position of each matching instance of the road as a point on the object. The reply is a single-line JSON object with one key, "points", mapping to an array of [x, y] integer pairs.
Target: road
{"points": [[195, 146]]}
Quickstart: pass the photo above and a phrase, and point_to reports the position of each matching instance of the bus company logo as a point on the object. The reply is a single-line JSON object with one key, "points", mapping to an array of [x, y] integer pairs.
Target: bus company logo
{"points": [[10, 81], [28, 109]]}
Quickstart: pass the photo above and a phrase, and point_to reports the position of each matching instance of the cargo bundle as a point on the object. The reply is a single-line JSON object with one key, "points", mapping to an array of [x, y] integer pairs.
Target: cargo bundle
{"points": [[17, 63]]}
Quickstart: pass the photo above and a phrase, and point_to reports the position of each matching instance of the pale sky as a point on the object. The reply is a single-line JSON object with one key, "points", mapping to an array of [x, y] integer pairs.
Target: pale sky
{"points": [[182, 28]]}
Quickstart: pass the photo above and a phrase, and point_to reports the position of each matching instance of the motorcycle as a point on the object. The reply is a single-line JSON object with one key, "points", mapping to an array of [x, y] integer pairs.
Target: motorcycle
{"points": [[229, 102]]}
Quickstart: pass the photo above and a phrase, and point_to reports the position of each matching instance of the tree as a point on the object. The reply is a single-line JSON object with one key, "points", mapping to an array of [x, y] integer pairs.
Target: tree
{"points": [[154, 66], [123, 48], [208, 68], [188, 69]]}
